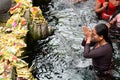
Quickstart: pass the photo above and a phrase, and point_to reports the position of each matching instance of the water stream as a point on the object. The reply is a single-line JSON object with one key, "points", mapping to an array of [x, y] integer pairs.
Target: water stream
{"points": [[60, 56]]}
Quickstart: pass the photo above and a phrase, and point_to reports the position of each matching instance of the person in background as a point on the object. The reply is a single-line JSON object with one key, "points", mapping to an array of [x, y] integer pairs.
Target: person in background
{"points": [[76, 1], [115, 20], [114, 25], [106, 8], [102, 51]]}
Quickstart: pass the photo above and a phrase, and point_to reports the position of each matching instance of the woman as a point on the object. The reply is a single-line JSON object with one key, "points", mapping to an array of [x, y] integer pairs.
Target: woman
{"points": [[106, 8], [114, 25], [101, 53], [115, 20]]}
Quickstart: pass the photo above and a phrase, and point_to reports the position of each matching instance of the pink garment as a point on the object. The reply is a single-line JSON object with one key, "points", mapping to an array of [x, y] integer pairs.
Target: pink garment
{"points": [[117, 20]]}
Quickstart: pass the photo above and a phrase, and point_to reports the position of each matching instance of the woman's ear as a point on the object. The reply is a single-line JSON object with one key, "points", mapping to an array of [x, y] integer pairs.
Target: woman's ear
{"points": [[101, 38]]}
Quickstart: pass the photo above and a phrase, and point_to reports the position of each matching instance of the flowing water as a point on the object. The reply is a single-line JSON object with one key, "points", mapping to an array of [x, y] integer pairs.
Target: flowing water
{"points": [[60, 57]]}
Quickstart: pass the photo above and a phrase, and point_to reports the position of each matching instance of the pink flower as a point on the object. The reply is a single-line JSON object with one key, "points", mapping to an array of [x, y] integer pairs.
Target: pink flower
{"points": [[14, 24]]}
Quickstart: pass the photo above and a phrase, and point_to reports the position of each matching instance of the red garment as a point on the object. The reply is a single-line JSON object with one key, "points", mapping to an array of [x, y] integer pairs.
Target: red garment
{"points": [[107, 13]]}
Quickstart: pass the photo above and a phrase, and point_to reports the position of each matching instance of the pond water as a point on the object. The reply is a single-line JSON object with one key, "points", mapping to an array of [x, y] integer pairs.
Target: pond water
{"points": [[60, 56]]}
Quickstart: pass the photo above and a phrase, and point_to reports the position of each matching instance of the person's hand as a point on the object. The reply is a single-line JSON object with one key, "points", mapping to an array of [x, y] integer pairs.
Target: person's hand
{"points": [[117, 3], [105, 4], [76, 1], [87, 33], [89, 36], [108, 25], [85, 29]]}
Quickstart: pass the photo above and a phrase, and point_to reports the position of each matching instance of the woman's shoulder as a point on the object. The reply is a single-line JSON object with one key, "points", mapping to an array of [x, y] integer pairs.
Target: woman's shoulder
{"points": [[108, 46], [118, 15]]}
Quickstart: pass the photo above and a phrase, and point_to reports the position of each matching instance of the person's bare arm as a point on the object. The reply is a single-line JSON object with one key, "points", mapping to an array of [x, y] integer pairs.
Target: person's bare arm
{"points": [[109, 24], [99, 7], [118, 3]]}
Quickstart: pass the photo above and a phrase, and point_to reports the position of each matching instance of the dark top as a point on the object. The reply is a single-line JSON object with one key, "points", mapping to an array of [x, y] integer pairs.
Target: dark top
{"points": [[101, 56]]}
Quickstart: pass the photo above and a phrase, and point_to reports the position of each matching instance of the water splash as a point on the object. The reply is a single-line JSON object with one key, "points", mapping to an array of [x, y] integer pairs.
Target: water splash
{"points": [[83, 13]]}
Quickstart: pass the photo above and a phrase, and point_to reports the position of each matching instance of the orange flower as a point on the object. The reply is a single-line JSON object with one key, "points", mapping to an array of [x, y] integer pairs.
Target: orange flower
{"points": [[1, 53], [14, 58], [35, 8], [23, 21], [16, 6]]}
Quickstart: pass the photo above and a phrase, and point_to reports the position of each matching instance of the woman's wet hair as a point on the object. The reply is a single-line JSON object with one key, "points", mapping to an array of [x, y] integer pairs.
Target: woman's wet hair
{"points": [[102, 30]]}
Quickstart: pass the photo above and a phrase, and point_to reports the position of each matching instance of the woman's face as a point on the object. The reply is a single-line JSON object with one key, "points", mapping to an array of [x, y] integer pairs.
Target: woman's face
{"points": [[96, 37]]}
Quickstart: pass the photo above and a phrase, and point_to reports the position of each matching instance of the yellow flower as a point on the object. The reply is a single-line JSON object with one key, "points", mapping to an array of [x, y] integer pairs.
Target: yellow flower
{"points": [[17, 1], [10, 21]]}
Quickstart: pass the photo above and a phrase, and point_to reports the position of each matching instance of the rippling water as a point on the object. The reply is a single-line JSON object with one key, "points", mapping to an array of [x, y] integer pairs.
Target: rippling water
{"points": [[60, 57]]}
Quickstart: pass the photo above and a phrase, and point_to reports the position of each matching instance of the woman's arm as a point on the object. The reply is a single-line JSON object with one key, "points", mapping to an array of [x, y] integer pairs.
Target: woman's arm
{"points": [[92, 43], [99, 7], [110, 23]]}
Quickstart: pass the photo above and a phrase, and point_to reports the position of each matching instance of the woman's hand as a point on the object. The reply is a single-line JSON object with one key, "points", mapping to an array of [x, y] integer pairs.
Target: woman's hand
{"points": [[117, 3], [89, 36], [105, 4], [87, 33], [108, 25], [85, 29]]}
